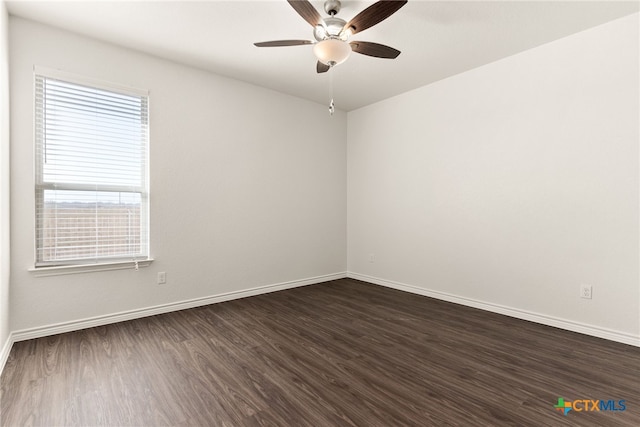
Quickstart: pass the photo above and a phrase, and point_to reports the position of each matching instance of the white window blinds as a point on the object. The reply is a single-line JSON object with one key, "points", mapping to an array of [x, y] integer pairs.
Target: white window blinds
{"points": [[91, 173]]}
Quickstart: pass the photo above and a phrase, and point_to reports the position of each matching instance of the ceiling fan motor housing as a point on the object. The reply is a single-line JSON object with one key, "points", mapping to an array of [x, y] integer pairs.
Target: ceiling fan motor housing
{"points": [[332, 29]]}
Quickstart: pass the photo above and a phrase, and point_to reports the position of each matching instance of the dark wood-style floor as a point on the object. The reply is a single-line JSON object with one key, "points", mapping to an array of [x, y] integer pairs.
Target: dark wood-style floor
{"points": [[341, 353]]}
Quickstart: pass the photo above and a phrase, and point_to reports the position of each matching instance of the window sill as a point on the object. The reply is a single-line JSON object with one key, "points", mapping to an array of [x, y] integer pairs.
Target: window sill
{"points": [[88, 268]]}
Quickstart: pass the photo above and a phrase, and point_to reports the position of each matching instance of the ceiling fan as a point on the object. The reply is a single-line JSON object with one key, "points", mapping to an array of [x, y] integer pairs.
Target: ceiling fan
{"points": [[332, 34]]}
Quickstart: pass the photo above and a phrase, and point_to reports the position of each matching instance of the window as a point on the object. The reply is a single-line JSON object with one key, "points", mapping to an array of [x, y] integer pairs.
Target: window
{"points": [[91, 188]]}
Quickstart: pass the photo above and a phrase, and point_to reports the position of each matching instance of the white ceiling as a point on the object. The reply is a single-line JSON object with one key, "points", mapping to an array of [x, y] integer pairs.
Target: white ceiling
{"points": [[437, 38]]}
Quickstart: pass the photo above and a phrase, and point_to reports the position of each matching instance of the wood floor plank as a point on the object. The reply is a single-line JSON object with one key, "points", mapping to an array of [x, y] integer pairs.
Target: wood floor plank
{"points": [[342, 353]]}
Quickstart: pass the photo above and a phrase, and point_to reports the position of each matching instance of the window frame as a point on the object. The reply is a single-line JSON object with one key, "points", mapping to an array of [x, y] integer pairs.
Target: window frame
{"points": [[98, 263]]}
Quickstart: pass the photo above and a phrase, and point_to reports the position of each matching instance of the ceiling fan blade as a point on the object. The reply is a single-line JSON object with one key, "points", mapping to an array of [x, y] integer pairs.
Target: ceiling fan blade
{"points": [[374, 49], [373, 15], [322, 68], [307, 11], [278, 43]]}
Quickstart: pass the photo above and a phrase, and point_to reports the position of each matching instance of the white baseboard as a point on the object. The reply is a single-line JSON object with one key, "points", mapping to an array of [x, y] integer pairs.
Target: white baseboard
{"points": [[59, 328], [569, 325], [91, 322], [4, 353]]}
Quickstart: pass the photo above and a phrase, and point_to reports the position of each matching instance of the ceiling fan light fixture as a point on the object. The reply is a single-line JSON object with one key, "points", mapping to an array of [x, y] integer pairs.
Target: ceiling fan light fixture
{"points": [[332, 51], [332, 34]]}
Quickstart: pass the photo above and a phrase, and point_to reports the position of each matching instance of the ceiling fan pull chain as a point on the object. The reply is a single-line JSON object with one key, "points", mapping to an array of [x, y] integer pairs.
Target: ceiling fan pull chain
{"points": [[332, 107]]}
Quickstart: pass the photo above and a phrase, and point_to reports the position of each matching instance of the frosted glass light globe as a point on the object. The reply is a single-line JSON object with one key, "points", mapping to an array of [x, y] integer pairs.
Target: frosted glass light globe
{"points": [[332, 51]]}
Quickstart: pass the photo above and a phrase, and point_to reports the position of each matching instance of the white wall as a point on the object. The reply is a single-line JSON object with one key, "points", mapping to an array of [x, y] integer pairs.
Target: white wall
{"points": [[248, 186], [4, 184], [509, 185]]}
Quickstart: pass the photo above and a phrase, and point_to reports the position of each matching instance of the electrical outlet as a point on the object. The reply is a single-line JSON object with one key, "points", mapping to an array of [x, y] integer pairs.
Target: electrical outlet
{"points": [[162, 278], [585, 291], [372, 258]]}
